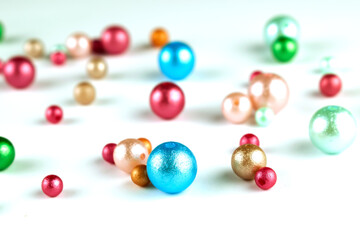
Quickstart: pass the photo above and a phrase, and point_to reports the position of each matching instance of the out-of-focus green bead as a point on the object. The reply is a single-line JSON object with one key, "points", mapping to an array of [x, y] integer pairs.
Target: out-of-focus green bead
{"points": [[264, 116], [2, 31], [328, 65], [7, 153], [59, 48], [284, 49], [281, 26]]}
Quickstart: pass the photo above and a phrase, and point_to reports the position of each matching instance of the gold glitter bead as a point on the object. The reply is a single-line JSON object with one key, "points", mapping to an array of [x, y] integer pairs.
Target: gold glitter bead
{"points": [[139, 176], [97, 68], [84, 93]]}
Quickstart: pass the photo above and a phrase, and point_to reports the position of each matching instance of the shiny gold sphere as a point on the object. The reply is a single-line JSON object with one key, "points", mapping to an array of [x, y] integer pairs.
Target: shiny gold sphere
{"points": [[139, 176], [97, 68], [247, 160], [147, 144], [34, 48], [84, 93]]}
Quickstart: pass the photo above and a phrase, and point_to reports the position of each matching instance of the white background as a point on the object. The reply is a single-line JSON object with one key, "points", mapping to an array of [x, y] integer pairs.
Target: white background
{"points": [[316, 196]]}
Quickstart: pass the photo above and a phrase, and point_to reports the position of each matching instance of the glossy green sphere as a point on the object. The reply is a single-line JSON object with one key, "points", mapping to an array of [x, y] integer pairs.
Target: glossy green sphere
{"points": [[281, 26], [332, 129], [7, 153], [284, 49], [264, 116], [2, 31]]}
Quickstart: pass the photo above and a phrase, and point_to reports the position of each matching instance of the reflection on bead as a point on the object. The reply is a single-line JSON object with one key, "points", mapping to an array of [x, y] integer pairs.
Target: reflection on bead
{"points": [[284, 49], [84, 93], [96, 68], [330, 85], [332, 129], [281, 26], [34, 48], [264, 116], [139, 176], [52, 185], [236, 107], [7, 153]]}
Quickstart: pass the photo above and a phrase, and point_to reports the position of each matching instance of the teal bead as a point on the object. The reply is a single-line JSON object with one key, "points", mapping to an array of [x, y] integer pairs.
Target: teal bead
{"points": [[332, 129], [2, 31], [284, 49], [264, 116], [281, 26]]}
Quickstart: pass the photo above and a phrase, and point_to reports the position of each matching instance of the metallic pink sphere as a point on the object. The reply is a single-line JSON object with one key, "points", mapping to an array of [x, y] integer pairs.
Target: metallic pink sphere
{"points": [[54, 114], [19, 72], [58, 58], [265, 178], [108, 152], [52, 185], [254, 74], [167, 100], [249, 139], [330, 85], [115, 40]]}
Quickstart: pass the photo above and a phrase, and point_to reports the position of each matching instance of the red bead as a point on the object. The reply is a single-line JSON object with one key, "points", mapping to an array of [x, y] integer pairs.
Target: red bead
{"points": [[254, 74], [330, 85], [54, 114], [249, 139], [19, 72], [108, 152], [265, 178], [52, 185], [58, 58], [1, 66], [97, 46], [115, 40], [167, 100]]}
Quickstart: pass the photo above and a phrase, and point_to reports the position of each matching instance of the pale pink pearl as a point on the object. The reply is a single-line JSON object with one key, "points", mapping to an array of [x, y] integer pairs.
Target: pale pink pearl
{"points": [[79, 45], [237, 107]]}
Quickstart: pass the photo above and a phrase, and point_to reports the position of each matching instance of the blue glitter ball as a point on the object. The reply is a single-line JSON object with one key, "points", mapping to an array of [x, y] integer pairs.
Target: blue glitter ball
{"points": [[176, 60], [171, 167]]}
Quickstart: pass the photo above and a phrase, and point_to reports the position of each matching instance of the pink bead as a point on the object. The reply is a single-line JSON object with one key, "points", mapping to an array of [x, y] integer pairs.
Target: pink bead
{"points": [[265, 178], [115, 40], [54, 114], [330, 85], [19, 72], [249, 139], [108, 152], [97, 46], [1, 66], [254, 74], [167, 100], [58, 58], [52, 185]]}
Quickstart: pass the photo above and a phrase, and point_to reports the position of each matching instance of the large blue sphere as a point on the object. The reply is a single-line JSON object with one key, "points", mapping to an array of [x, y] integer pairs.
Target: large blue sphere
{"points": [[176, 60], [171, 167]]}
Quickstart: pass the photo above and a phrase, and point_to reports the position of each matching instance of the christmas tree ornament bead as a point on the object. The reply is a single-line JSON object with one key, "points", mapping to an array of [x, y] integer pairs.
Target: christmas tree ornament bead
{"points": [[130, 153], [115, 40], [269, 90], [79, 45], [108, 152], [2, 32], [246, 160], [52, 185], [7, 153], [236, 107], [332, 129], [176, 60], [54, 114], [171, 167], [34, 48], [249, 139], [264, 116], [58, 58], [19, 72], [254, 74], [167, 100], [284, 49], [139, 176], [265, 178], [281, 26], [159, 37], [330, 85], [97, 46], [97, 68], [84, 93], [147, 144]]}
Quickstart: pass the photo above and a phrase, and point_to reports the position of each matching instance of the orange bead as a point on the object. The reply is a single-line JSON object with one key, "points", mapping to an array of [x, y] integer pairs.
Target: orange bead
{"points": [[159, 37], [147, 144], [139, 176]]}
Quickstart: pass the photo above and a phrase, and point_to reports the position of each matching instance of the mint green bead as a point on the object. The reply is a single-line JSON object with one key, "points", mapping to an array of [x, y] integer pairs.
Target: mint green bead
{"points": [[328, 65], [332, 129], [2, 32], [59, 48], [281, 26], [264, 116]]}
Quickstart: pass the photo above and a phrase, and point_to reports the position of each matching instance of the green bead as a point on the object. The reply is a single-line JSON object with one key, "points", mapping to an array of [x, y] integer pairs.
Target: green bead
{"points": [[327, 65], [281, 26], [284, 49], [59, 48], [264, 116], [7, 153], [332, 129], [2, 31]]}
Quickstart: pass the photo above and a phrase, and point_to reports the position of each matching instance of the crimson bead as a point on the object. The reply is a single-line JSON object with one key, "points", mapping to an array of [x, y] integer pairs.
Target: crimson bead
{"points": [[54, 114], [108, 152], [52, 185], [265, 178], [330, 85], [254, 74], [249, 139], [19, 72], [1, 66], [58, 58], [115, 40], [97, 46]]}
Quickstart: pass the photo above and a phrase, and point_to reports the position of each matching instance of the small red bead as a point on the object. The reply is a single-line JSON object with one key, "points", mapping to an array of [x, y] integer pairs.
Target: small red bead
{"points": [[54, 114], [254, 74], [265, 178], [58, 58], [115, 40], [330, 85], [249, 139], [97, 46], [52, 185], [108, 152]]}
